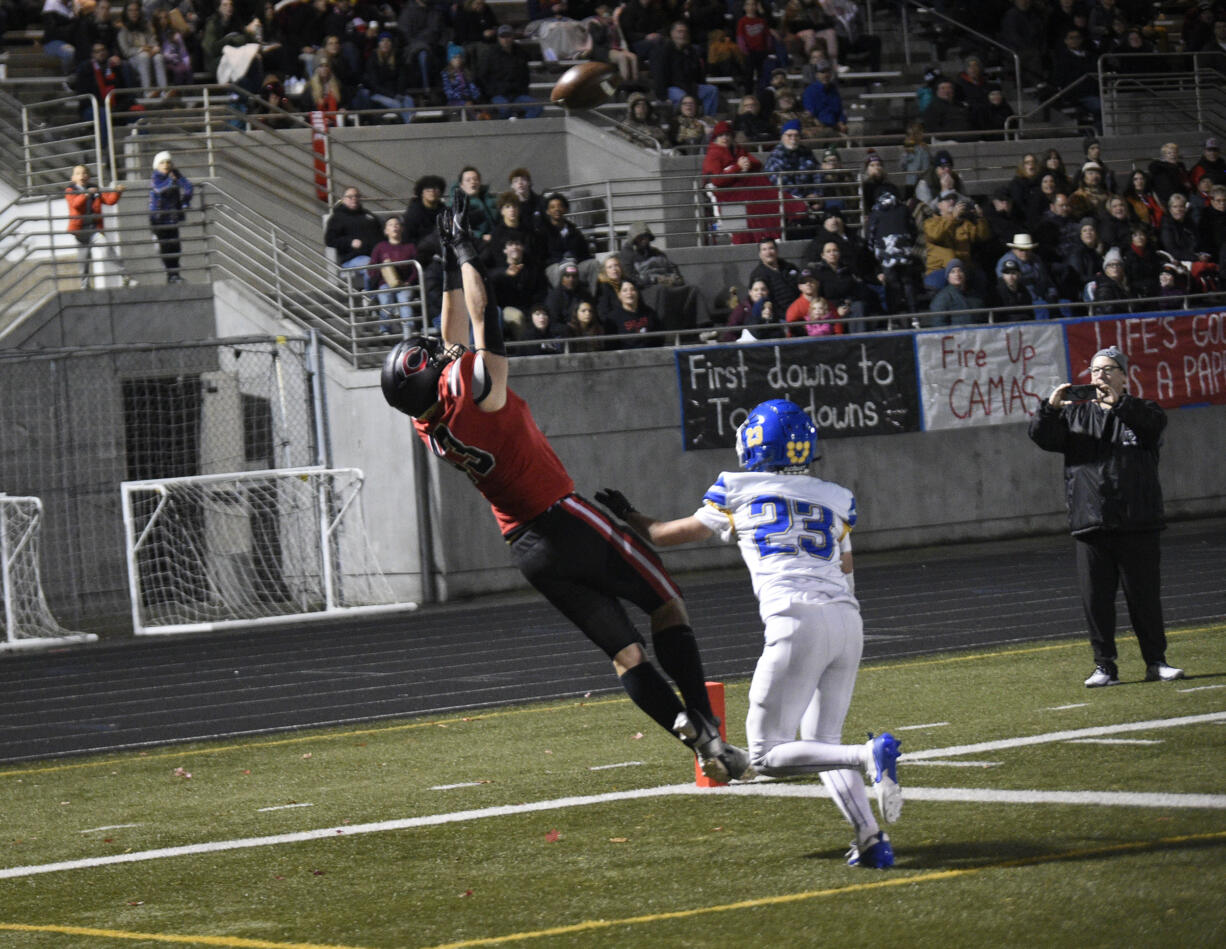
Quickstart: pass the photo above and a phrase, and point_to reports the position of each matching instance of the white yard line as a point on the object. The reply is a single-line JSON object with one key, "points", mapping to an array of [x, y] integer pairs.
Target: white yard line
{"points": [[911, 728], [1115, 741], [281, 807], [964, 795]]}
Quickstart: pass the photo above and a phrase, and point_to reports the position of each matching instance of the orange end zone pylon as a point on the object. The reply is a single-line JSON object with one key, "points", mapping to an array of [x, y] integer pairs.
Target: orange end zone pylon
{"points": [[715, 692]]}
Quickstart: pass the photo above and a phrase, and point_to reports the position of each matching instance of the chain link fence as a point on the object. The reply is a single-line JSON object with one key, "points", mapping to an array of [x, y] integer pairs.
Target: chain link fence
{"points": [[74, 424]]}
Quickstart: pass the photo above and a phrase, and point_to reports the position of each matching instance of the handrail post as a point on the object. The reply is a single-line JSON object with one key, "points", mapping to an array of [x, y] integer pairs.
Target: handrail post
{"points": [[25, 145], [612, 215], [208, 133], [906, 34], [105, 108], [276, 269]]}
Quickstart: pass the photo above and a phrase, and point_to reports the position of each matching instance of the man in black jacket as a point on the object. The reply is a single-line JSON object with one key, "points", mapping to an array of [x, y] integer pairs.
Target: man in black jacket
{"points": [[503, 74], [1110, 445], [353, 232], [678, 70]]}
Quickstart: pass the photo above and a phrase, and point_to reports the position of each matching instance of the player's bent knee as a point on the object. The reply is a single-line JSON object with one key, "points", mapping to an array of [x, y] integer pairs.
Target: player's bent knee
{"points": [[628, 658], [672, 613]]}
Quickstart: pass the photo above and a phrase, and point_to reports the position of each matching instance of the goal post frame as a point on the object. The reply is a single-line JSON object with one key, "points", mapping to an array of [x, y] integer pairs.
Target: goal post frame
{"points": [[327, 525], [8, 557]]}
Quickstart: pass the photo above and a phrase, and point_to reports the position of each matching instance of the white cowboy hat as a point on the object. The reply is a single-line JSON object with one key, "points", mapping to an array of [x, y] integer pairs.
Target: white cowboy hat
{"points": [[1022, 242]]}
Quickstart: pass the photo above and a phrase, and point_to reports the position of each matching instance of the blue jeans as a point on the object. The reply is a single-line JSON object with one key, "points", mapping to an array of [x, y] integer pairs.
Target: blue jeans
{"points": [[356, 271], [708, 95], [388, 296], [533, 113]]}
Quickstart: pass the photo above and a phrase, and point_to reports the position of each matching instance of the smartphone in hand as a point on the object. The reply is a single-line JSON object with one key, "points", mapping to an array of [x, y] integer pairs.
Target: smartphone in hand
{"points": [[1081, 393]]}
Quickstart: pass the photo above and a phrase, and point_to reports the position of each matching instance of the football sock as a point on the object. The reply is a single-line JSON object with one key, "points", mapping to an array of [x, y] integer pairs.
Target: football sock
{"points": [[677, 652], [651, 692]]}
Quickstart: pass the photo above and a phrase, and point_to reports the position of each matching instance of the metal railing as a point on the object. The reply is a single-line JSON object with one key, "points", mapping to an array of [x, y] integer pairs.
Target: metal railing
{"points": [[1142, 92]]}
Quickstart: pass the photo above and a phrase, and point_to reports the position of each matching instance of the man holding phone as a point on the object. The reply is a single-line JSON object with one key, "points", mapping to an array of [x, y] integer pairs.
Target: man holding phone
{"points": [[1110, 442]]}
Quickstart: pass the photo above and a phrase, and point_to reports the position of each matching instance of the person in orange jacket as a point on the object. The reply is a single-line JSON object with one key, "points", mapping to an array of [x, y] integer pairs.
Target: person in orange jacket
{"points": [[85, 201]]}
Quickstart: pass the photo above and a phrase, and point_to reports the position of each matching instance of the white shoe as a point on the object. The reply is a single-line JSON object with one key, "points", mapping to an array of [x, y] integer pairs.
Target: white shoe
{"points": [[1161, 672], [1103, 676]]}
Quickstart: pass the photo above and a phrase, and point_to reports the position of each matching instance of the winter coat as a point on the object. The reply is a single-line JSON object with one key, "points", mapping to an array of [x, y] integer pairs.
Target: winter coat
{"points": [[1110, 462], [794, 169], [825, 103], [890, 231], [344, 225], [84, 210], [169, 195]]}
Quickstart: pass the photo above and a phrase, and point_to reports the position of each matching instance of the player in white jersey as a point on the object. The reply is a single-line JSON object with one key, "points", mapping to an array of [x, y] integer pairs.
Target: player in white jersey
{"points": [[794, 534]]}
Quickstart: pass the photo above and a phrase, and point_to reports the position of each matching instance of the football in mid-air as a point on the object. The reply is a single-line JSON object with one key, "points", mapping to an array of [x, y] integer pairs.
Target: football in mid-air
{"points": [[585, 86]]}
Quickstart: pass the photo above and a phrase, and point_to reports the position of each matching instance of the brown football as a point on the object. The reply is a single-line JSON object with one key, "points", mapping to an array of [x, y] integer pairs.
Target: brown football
{"points": [[585, 86]]}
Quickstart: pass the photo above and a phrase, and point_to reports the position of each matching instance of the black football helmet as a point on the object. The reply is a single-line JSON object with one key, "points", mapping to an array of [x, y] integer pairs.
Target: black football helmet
{"points": [[411, 372]]}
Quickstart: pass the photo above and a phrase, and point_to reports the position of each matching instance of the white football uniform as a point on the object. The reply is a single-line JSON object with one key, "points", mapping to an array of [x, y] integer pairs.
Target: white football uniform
{"points": [[792, 531]]}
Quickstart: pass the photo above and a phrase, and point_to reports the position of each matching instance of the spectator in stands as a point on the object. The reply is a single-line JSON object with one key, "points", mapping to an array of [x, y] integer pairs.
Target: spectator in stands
{"points": [[839, 282], [1167, 174], [385, 81], [1084, 260], [459, 87], [749, 125], [95, 79], [324, 94], [570, 290], [543, 332], [584, 329], [755, 39], [276, 49], [531, 204], [1022, 30], [561, 240], [392, 275], [1145, 204], [59, 31], [1011, 302], [852, 40], [1177, 236], [1090, 198], [1025, 181], [421, 214], [791, 165], [971, 88], [422, 25], [995, 114], [788, 109], [660, 282], [779, 81], [1005, 220], [955, 231], [739, 310], [704, 17], [1142, 265], [732, 171], [482, 204], [810, 311], [343, 61], [778, 274], [1054, 163], [874, 180], [939, 179], [834, 228], [607, 43], [644, 23], [352, 232], [217, 27], [510, 227], [517, 286], [890, 234], [608, 281], [633, 316], [764, 320], [1116, 222], [642, 123], [687, 132], [1111, 293], [1212, 224], [174, 53], [1034, 274], [1075, 69], [1094, 152], [170, 194], [915, 159], [1058, 230], [823, 100], [955, 295], [678, 70], [504, 76], [1211, 162], [809, 32], [474, 21], [85, 223], [946, 117], [139, 46], [99, 27]]}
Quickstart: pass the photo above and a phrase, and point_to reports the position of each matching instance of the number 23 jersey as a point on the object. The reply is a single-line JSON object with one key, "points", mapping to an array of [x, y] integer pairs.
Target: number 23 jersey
{"points": [[791, 530]]}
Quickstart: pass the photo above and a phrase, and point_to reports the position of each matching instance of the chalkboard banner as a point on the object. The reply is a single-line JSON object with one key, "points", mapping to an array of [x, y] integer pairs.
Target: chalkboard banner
{"points": [[849, 386]]}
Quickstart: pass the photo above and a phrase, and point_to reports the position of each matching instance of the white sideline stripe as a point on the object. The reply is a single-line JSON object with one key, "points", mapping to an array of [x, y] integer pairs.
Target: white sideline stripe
{"points": [[749, 789], [956, 764], [1064, 736], [462, 784], [1115, 741], [94, 830], [964, 795], [280, 807], [622, 764], [1201, 688], [908, 728], [1061, 708]]}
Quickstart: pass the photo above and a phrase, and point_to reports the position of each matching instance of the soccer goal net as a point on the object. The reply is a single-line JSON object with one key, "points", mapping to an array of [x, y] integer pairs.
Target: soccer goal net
{"points": [[26, 617], [215, 551]]}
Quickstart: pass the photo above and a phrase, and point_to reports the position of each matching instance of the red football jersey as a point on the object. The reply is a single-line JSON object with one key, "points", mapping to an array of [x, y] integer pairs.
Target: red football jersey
{"points": [[507, 457]]}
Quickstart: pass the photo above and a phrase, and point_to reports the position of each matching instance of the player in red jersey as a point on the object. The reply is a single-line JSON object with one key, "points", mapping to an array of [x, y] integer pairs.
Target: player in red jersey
{"points": [[568, 548]]}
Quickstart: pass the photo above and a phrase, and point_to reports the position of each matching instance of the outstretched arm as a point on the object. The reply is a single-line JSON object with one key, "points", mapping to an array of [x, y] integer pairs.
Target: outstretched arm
{"points": [[683, 530]]}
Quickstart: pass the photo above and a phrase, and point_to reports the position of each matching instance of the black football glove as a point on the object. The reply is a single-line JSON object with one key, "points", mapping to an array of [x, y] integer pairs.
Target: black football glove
{"points": [[616, 502]]}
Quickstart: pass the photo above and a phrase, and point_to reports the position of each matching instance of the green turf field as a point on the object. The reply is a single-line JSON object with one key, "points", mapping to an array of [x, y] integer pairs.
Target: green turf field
{"points": [[1038, 813]]}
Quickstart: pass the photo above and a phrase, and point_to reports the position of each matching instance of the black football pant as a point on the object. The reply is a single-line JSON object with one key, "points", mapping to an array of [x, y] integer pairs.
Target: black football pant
{"points": [[1105, 560]]}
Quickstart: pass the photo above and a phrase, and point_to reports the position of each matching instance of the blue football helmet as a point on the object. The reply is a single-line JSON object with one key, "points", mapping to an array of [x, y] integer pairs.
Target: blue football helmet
{"points": [[777, 436]]}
